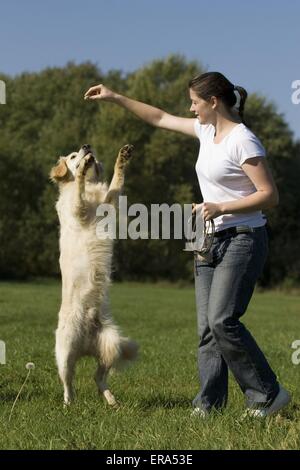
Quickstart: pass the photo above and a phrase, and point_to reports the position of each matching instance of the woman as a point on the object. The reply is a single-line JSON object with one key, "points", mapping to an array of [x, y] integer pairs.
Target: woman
{"points": [[236, 186]]}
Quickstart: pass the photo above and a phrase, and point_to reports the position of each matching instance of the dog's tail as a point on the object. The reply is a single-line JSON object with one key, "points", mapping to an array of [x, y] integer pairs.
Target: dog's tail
{"points": [[116, 351]]}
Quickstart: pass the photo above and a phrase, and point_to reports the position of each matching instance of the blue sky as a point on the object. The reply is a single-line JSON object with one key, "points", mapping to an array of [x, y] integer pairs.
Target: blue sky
{"points": [[255, 44]]}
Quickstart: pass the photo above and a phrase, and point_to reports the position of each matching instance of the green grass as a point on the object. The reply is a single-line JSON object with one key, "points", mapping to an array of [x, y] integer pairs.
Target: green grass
{"points": [[155, 393]]}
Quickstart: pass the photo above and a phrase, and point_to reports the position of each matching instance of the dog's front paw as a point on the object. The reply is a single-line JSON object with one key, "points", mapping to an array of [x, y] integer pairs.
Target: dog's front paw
{"points": [[125, 154], [84, 164]]}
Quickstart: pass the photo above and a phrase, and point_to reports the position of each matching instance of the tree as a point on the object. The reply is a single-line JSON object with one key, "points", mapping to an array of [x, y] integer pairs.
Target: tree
{"points": [[46, 117]]}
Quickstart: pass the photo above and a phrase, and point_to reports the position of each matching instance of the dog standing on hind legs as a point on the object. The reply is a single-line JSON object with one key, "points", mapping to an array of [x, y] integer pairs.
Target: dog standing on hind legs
{"points": [[85, 325]]}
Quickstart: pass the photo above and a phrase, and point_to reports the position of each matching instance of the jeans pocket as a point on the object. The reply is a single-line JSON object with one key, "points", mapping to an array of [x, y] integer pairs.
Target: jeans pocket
{"points": [[241, 243]]}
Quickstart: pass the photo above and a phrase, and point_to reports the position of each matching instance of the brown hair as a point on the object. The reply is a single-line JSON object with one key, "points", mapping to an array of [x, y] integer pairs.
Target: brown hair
{"points": [[211, 84]]}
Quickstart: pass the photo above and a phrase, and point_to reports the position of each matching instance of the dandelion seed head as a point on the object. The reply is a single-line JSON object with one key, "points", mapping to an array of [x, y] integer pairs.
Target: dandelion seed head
{"points": [[30, 365]]}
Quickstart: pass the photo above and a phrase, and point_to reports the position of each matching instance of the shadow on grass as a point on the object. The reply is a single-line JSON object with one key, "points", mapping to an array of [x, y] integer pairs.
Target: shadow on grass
{"points": [[161, 401], [8, 397], [291, 411], [25, 396]]}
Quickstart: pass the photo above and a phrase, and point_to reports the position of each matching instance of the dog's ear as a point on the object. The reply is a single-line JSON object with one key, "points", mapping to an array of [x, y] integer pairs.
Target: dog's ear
{"points": [[59, 171]]}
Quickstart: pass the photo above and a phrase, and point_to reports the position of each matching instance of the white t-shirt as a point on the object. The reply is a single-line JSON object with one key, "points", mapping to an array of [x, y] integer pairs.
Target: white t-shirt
{"points": [[220, 174]]}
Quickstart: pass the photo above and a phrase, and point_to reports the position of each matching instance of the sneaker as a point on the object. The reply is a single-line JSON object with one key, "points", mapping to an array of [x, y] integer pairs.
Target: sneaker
{"points": [[199, 413], [282, 399]]}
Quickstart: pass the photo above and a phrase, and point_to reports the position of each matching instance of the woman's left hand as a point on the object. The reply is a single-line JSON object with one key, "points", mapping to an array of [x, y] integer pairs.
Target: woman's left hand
{"points": [[209, 210]]}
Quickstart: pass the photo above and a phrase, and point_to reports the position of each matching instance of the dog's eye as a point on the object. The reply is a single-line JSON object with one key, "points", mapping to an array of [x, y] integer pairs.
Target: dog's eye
{"points": [[73, 156]]}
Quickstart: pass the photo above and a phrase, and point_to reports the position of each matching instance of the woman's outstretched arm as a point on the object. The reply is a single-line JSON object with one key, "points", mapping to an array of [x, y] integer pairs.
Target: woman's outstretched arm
{"points": [[150, 114]]}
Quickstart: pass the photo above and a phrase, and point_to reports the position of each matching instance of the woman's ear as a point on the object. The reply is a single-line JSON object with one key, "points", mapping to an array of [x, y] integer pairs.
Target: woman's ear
{"points": [[214, 102], [59, 171]]}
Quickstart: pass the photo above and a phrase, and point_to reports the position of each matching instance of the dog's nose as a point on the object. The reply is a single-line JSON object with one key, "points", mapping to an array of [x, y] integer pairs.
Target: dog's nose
{"points": [[86, 147]]}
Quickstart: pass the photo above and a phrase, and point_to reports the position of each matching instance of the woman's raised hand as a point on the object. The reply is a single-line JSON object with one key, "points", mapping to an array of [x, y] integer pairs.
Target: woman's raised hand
{"points": [[99, 92]]}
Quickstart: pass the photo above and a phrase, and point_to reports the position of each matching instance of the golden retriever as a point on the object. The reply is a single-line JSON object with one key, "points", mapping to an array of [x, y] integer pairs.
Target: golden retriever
{"points": [[85, 325]]}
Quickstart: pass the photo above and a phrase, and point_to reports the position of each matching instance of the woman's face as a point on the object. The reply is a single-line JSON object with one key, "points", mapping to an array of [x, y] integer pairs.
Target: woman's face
{"points": [[203, 110]]}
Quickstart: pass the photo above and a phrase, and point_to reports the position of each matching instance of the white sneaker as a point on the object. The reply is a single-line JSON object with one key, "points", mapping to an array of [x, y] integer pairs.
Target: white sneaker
{"points": [[283, 398], [199, 413]]}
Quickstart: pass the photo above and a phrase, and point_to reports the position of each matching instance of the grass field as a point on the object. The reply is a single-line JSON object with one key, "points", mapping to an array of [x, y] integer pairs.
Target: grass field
{"points": [[155, 393]]}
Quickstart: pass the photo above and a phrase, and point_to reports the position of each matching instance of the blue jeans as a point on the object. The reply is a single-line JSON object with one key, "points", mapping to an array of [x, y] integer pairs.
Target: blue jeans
{"points": [[224, 288]]}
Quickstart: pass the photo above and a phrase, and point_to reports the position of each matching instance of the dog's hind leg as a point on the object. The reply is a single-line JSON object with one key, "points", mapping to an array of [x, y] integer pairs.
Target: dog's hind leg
{"points": [[66, 361], [100, 379]]}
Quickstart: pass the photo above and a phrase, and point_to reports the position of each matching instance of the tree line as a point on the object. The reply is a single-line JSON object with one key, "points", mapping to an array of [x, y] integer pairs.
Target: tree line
{"points": [[45, 116]]}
